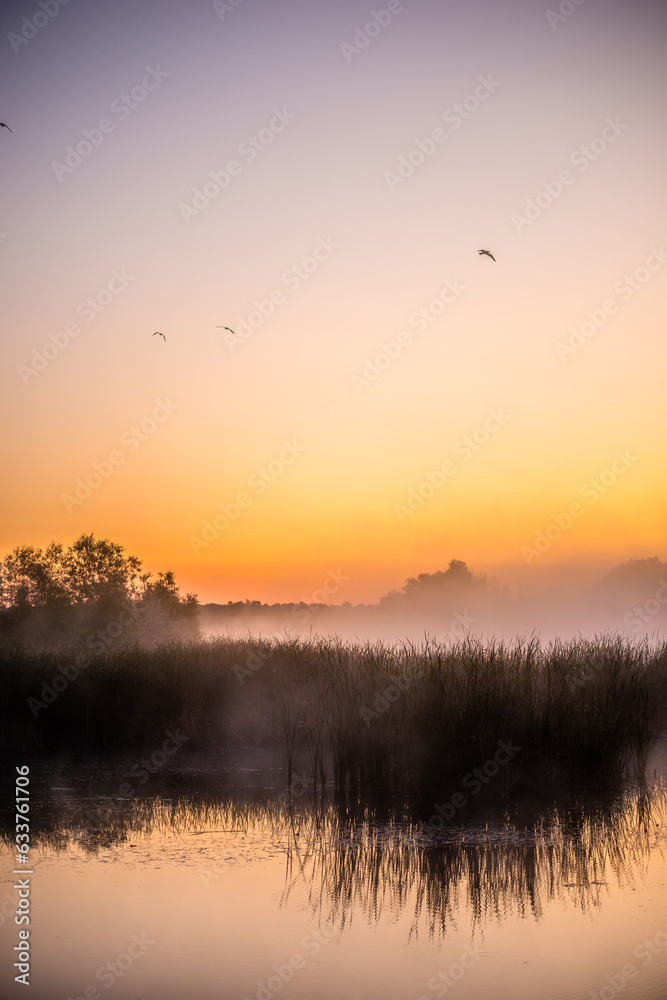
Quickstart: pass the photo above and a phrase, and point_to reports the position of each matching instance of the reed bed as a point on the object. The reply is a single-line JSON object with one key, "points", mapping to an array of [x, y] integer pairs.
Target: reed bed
{"points": [[400, 721]]}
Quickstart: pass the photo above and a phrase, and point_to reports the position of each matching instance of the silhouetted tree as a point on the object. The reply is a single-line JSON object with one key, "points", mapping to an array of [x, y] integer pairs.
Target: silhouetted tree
{"points": [[457, 580], [638, 576], [61, 594]]}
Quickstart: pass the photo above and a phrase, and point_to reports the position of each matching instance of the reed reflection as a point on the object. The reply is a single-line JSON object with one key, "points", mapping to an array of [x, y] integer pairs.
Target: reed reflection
{"points": [[371, 863], [492, 871]]}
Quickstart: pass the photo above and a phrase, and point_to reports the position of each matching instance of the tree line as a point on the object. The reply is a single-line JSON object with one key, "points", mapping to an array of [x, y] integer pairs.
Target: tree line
{"points": [[87, 593]]}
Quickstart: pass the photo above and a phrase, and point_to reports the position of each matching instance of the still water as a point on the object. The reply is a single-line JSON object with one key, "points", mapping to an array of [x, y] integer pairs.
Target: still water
{"points": [[204, 881]]}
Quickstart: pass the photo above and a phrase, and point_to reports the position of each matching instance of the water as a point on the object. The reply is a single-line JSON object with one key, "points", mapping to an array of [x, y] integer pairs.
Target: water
{"points": [[203, 882]]}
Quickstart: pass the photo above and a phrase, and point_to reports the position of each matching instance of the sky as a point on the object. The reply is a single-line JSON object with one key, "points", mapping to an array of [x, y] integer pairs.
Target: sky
{"points": [[320, 178]]}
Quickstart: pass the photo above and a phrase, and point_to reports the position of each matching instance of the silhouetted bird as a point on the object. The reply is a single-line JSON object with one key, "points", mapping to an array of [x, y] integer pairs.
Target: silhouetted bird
{"points": [[225, 328], [158, 334], [488, 253], [2, 125]]}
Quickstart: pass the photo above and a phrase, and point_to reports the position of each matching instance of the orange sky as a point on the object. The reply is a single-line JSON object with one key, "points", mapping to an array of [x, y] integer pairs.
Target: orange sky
{"points": [[379, 360]]}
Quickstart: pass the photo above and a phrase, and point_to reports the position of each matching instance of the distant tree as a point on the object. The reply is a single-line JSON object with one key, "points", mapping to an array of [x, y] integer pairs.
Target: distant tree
{"points": [[434, 587], [632, 583], [636, 574], [456, 575]]}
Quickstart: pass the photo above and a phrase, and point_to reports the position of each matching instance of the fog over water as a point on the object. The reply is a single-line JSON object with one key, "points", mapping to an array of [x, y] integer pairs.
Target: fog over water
{"points": [[629, 599]]}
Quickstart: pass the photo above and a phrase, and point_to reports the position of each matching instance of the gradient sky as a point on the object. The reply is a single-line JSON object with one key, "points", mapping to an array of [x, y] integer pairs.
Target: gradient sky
{"points": [[328, 179]]}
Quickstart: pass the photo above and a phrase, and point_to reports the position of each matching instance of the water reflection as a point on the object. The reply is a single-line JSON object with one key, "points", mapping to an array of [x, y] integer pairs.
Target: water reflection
{"points": [[492, 871], [367, 863]]}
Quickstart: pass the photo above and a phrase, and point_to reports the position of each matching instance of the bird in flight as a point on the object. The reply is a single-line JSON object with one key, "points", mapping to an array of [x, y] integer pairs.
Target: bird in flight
{"points": [[2, 125], [225, 328], [158, 334], [488, 253]]}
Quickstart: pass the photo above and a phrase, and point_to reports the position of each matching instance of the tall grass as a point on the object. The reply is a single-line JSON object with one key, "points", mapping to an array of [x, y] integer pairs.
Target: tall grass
{"points": [[415, 721], [401, 721]]}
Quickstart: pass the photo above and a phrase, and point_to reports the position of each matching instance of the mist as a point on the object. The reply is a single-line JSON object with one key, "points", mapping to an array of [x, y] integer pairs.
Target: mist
{"points": [[567, 603]]}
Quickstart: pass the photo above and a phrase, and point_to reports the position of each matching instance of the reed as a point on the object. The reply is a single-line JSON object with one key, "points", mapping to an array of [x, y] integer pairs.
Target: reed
{"points": [[401, 721]]}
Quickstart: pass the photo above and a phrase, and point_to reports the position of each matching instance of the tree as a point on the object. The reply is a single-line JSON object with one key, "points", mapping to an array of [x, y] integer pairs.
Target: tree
{"points": [[61, 595], [30, 577], [456, 575], [456, 580], [98, 572]]}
